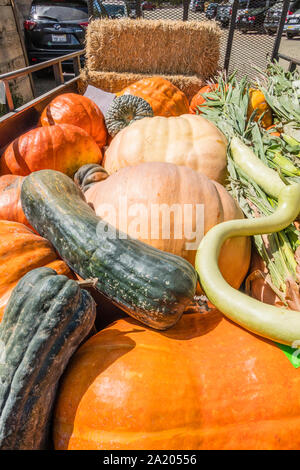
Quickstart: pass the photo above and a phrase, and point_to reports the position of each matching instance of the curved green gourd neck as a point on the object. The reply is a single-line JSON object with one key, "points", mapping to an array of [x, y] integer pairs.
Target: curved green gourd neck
{"points": [[278, 324]]}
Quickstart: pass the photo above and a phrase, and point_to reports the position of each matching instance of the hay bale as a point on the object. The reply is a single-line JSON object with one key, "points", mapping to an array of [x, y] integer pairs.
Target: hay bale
{"points": [[121, 52], [153, 46], [114, 82]]}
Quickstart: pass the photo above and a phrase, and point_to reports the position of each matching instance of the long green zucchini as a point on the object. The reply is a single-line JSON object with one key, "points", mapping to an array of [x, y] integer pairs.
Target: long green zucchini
{"points": [[150, 285], [278, 324]]}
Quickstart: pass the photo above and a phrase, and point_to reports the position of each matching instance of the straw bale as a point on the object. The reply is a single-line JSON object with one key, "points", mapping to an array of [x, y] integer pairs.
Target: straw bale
{"points": [[161, 47], [114, 82]]}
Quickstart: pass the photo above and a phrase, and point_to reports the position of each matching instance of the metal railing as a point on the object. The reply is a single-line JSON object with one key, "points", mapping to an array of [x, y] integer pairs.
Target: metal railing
{"points": [[57, 69], [293, 63]]}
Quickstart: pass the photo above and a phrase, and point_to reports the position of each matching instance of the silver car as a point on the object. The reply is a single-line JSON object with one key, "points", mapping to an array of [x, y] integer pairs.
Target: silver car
{"points": [[292, 26]]}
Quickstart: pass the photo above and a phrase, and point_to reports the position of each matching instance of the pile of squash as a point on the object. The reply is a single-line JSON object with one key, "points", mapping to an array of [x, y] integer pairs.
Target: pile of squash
{"points": [[155, 376]]}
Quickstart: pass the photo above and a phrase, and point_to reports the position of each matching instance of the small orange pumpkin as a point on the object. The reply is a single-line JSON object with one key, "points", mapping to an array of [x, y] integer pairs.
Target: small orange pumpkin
{"points": [[21, 250], [62, 147], [199, 99], [81, 111]]}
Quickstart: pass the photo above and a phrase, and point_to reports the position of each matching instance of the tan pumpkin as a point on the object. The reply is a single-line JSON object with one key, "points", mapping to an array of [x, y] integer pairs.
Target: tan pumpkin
{"points": [[21, 250], [204, 384], [258, 103], [188, 140], [152, 184]]}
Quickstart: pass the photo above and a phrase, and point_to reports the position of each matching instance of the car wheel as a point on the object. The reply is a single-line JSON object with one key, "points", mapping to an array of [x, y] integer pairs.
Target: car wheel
{"points": [[289, 36]]}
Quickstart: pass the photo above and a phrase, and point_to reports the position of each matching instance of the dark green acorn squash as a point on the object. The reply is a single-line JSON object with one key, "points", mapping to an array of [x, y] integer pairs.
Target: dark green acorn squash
{"points": [[46, 319], [150, 285], [125, 110]]}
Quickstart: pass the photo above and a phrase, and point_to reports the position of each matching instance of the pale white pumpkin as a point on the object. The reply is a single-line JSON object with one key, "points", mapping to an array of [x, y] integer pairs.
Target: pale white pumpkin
{"points": [[188, 140]]}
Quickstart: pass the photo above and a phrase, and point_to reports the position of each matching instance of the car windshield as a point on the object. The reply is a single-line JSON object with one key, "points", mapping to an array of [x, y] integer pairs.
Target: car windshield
{"points": [[59, 12], [114, 9], [256, 4]]}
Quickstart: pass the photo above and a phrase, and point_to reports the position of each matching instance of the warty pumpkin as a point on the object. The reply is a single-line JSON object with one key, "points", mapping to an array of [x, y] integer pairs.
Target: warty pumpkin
{"points": [[166, 185], [125, 110], [10, 202], [188, 140], [205, 384], [46, 319], [81, 111], [61, 147], [21, 250], [258, 103], [164, 98]]}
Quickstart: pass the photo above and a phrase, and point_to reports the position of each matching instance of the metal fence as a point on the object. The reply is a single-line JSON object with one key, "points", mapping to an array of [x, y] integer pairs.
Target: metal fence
{"points": [[252, 30]]}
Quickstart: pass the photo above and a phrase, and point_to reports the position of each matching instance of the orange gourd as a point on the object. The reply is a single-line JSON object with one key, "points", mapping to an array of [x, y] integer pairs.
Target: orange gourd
{"points": [[205, 384], [10, 202], [164, 98], [167, 186], [62, 147], [81, 111], [258, 103], [21, 250]]}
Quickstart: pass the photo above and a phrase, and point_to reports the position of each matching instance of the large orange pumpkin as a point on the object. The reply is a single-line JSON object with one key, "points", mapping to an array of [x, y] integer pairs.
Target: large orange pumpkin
{"points": [[21, 251], [188, 140], [205, 384], [164, 98], [61, 147], [167, 186], [81, 111], [10, 202]]}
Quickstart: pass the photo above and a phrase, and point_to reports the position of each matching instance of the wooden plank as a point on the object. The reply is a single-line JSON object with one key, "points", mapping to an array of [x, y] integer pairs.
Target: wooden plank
{"points": [[11, 52], [14, 124]]}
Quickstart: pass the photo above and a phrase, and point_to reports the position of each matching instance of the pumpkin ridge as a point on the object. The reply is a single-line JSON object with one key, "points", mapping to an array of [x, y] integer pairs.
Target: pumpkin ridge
{"points": [[91, 120]]}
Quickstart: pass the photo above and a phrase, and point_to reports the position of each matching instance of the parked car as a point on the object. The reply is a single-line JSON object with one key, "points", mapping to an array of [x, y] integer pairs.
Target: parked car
{"points": [[273, 15], [253, 17], [148, 6], [211, 11], [197, 5], [292, 26], [54, 28], [224, 12]]}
